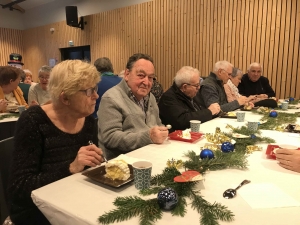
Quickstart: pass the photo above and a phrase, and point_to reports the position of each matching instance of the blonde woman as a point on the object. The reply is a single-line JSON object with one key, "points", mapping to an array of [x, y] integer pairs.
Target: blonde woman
{"points": [[51, 141]]}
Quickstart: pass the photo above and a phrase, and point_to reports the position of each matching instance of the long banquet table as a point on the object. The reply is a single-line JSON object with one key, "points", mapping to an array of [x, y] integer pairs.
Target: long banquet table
{"points": [[77, 200], [7, 126]]}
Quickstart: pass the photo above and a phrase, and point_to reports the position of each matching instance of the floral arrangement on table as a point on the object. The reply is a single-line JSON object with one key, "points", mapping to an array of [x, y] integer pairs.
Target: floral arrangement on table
{"points": [[151, 210]]}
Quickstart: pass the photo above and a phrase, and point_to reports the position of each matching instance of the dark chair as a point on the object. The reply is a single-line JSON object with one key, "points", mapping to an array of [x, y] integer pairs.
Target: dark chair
{"points": [[6, 152]]}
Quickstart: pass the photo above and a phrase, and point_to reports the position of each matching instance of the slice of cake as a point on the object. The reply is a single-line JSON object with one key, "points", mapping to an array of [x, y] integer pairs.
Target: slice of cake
{"points": [[186, 134], [117, 170]]}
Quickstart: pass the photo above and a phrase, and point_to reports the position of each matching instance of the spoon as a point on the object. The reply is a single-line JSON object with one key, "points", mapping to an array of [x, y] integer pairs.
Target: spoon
{"points": [[91, 143], [230, 193]]}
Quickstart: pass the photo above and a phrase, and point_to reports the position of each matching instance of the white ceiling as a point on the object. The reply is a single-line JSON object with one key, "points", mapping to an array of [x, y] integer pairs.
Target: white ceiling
{"points": [[29, 4]]}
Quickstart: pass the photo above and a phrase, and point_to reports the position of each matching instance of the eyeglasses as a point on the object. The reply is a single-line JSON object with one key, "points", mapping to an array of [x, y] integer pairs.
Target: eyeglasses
{"points": [[229, 74], [90, 91], [194, 85], [143, 76], [44, 78]]}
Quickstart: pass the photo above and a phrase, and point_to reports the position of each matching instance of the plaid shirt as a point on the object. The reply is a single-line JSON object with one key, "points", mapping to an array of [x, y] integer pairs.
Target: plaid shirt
{"points": [[143, 103]]}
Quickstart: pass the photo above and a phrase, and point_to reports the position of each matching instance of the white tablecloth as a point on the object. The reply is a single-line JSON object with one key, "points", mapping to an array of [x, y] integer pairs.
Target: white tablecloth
{"points": [[77, 200]]}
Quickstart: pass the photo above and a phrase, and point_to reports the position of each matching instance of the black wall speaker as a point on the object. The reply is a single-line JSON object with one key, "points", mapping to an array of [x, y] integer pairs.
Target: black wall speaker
{"points": [[72, 16]]}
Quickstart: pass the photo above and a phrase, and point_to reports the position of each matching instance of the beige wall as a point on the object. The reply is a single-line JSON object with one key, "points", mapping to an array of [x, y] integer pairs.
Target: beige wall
{"points": [[177, 33]]}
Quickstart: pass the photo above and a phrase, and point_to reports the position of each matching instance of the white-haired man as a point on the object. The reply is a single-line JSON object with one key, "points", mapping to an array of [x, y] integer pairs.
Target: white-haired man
{"points": [[178, 104], [253, 83], [212, 88]]}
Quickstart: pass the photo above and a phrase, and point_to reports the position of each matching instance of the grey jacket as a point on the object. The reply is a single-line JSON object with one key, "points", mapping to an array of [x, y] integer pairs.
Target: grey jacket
{"points": [[122, 124], [212, 91]]}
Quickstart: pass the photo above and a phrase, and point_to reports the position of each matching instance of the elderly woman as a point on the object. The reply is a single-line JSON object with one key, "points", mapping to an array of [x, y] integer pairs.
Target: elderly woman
{"points": [[10, 93], [39, 93], [231, 89], [51, 141], [28, 78]]}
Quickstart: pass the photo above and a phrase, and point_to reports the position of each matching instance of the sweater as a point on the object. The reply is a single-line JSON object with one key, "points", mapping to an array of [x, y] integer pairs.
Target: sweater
{"points": [[38, 94], [122, 125], [177, 109], [261, 86], [42, 155], [18, 95], [212, 91]]}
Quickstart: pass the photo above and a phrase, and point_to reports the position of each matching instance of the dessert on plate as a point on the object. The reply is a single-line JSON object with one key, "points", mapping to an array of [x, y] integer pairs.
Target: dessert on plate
{"points": [[117, 170]]}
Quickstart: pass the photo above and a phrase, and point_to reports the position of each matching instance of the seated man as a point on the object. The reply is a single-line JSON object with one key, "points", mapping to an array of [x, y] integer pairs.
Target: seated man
{"points": [[178, 106], [128, 114], [253, 83], [212, 88]]}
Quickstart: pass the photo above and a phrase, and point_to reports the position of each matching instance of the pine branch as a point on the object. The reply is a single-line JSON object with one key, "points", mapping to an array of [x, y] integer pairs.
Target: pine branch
{"points": [[11, 115], [180, 209], [132, 206], [210, 213]]}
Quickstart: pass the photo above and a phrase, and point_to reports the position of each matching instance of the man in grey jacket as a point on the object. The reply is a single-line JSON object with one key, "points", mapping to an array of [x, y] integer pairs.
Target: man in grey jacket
{"points": [[212, 88], [128, 116]]}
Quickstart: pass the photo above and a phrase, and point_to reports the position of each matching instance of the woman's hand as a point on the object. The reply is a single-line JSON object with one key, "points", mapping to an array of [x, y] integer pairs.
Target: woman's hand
{"points": [[289, 159], [3, 105], [89, 155]]}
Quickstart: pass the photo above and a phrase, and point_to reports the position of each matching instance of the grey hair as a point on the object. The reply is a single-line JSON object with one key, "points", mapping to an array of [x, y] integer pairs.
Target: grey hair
{"points": [[184, 75], [235, 72], [255, 64], [104, 65], [221, 65], [27, 71], [45, 69]]}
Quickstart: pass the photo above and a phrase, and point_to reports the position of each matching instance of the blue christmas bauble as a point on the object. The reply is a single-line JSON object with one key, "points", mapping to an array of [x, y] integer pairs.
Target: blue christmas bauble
{"points": [[273, 113], [227, 147], [291, 99], [167, 199], [253, 136], [206, 153]]}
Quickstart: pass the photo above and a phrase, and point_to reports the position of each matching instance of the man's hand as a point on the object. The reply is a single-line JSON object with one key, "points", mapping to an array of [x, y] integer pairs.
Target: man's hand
{"points": [[214, 108], [242, 100], [158, 134]]}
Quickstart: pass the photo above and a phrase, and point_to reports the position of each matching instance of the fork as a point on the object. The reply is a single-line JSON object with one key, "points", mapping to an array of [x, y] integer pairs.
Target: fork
{"points": [[91, 143]]}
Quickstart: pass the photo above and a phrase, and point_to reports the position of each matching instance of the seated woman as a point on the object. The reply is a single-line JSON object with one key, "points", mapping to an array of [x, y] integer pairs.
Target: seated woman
{"points": [[28, 78], [10, 93], [231, 89], [51, 141], [39, 93]]}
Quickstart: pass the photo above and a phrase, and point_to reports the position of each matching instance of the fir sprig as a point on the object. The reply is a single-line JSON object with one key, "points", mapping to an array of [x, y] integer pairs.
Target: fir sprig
{"points": [[219, 162], [274, 122], [210, 213], [133, 206], [11, 115]]}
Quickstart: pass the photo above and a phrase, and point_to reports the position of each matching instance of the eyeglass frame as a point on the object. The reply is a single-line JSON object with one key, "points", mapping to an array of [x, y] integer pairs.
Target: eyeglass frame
{"points": [[43, 78], [229, 74], [194, 85], [91, 90]]}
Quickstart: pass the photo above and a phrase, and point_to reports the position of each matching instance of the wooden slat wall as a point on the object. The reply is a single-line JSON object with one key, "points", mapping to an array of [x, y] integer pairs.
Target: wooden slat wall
{"points": [[11, 41], [177, 33]]}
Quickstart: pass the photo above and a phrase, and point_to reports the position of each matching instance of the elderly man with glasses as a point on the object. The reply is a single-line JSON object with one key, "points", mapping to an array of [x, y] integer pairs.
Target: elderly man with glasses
{"points": [[178, 104], [128, 114], [38, 94], [212, 88]]}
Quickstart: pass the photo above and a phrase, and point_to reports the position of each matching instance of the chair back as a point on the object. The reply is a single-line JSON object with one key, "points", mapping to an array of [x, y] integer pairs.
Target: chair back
{"points": [[6, 153]]}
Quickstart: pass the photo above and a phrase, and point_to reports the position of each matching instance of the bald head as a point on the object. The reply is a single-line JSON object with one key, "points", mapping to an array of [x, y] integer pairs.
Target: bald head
{"points": [[254, 71]]}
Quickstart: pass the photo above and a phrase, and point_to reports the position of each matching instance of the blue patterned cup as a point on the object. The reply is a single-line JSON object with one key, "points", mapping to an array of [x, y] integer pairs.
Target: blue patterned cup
{"points": [[252, 126], [195, 125], [240, 116], [21, 108], [142, 174], [284, 105]]}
